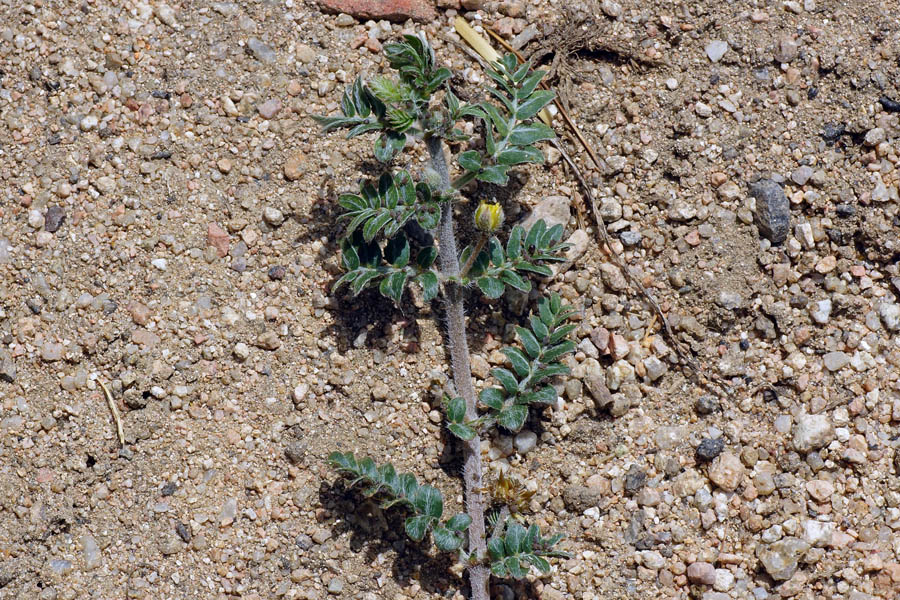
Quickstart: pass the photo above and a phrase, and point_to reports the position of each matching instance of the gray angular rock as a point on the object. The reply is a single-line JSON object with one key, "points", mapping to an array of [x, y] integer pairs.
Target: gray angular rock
{"points": [[7, 368], [801, 175], [780, 559], [730, 299], [261, 51], [635, 479], [554, 210], [655, 368], [773, 214], [835, 361], [706, 405], [54, 218]]}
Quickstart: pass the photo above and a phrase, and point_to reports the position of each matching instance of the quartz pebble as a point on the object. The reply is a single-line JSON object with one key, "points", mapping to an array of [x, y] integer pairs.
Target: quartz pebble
{"points": [[812, 432], [716, 49]]}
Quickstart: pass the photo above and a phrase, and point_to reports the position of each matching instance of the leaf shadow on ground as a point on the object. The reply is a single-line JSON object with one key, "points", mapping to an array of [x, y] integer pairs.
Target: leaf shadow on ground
{"points": [[376, 533]]}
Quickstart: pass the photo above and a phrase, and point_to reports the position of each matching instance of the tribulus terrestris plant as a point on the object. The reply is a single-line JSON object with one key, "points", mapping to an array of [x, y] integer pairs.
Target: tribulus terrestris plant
{"points": [[389, 243]]}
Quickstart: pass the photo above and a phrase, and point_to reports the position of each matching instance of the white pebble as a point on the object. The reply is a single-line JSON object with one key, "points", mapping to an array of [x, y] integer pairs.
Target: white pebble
{"points": [[525, 441]]}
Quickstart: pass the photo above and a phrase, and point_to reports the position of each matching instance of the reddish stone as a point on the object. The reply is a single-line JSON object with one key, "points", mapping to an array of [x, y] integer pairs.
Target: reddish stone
{"points": [[373, 45], [392, 10], [701, 572], [140, 313], [218, 239], [144, 338]]}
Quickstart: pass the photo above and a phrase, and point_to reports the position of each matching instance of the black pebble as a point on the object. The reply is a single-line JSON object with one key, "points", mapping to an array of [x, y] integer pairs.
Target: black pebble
{"points": [[276, 272], [845, 211], [709, 448], [832, 131], [183, 532], [889, 105]]}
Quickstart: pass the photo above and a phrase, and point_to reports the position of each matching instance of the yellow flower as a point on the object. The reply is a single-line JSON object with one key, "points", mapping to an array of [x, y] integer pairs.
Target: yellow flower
{"points": [[488, 217]]}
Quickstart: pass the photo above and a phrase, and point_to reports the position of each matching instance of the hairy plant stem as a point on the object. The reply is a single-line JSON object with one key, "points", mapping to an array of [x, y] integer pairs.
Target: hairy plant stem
{"points": [[471, 260], [460, 362]]}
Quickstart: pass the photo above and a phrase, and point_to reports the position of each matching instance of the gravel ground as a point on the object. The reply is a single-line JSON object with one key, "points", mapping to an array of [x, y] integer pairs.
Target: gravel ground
{"points": [[167, 227]]}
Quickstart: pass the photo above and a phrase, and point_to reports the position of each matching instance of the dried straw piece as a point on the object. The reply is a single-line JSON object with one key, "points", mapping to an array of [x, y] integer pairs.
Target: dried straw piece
{"points": [[115, 413]]}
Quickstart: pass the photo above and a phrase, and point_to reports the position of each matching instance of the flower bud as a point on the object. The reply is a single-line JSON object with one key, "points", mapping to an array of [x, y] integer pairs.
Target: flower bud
{"points": [[488, 217]]}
